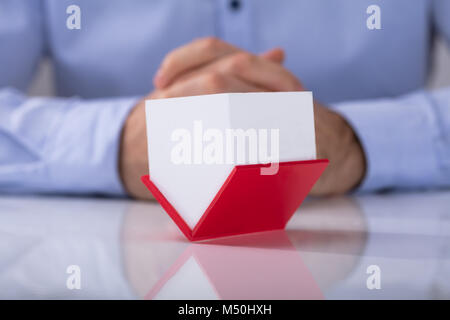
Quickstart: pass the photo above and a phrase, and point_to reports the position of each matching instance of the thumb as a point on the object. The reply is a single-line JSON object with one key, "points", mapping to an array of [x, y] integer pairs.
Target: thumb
{"points": [[275, 55]]}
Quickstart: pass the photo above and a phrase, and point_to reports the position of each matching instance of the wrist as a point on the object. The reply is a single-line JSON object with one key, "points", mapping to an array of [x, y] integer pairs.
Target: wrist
{"points": [[337, 142], [133, 152]]}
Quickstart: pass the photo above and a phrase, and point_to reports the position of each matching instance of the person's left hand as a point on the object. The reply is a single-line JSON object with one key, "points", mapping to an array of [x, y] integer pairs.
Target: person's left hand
{"points": [[209, 65]]}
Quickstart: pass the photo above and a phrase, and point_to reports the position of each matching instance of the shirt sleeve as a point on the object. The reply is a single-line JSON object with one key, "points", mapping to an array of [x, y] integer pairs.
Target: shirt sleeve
{"points": [[51, 145], [406, 140], [60, 145]]}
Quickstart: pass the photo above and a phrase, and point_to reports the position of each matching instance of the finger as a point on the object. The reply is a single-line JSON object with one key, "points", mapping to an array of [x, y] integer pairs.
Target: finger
{"points": [[259, 71], [206, 83], [275, 55], [190, 56]]}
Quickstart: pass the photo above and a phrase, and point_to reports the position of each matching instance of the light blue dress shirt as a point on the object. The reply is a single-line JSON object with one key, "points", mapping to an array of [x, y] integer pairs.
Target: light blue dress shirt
{"points": [[374, 78]]}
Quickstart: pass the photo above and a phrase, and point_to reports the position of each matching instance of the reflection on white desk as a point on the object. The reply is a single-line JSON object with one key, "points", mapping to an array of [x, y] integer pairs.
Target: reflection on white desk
{"points": [[131, 250]]}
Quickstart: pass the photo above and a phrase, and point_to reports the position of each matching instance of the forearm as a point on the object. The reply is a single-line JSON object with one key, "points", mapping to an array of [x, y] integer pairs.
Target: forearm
{"points": [[60, 145], [405, 139]]}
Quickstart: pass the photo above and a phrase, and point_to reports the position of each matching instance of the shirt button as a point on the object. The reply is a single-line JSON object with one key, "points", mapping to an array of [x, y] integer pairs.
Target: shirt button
{"points": [[235, 5]]}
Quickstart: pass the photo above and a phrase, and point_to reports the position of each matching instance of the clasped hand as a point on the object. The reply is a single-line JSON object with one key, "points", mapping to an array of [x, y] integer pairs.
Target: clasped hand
{"points": [[208, 66]]}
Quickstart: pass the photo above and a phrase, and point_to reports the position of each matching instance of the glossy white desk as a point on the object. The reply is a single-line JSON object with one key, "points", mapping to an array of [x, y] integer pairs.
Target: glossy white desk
{"points": [[128, 249]]}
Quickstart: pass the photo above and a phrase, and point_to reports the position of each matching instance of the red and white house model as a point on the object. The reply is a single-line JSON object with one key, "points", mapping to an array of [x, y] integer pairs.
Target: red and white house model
{"points": [[229, 164]]}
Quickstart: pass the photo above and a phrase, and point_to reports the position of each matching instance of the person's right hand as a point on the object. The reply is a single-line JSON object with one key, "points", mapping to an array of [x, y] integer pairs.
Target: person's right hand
{"points": [[179, 66], [210, 65], [133, 157]]}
